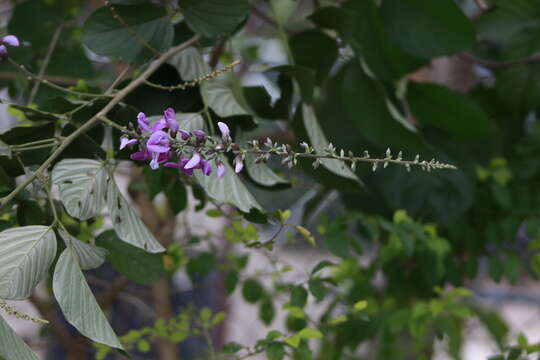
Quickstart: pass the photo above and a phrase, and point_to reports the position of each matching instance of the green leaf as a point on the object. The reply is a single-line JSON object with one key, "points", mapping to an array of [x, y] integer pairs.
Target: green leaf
{"points": [[318, 141], [82, 186], [78, 303], [299, 296], [11, 345], [427, 28], [230, 282], [252, 291], [317, 289], [190, 64], [228, 189], [211, 18], [304, 77], [267, 311], [88, 256], [275, 351], [261, 173], [176, 195], [360, 305], [438, 106], [220, 97], [315, 50], [361, 26], [137, 265], [201, 265], [127, 224], [149, 25], [26, 253], [308, 333], [232, 347], [306, 234]]}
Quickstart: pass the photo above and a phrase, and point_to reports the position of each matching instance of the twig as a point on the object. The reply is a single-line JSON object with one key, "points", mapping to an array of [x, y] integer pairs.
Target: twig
{"points": [[48, 56], [498, 64], [50, 84], [64, 80], [121, 94], [118, 79], [195, 82]]}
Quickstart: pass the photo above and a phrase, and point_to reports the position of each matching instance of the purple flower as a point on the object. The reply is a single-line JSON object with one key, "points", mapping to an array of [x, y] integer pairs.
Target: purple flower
{"points": [[206, 167], [10, 40], [181, 165], [238, 164], [158, 142], [194, 161], [184, 134], [225, 132], [141, 155], [170, 120], [143, 122], [201, 135], [160, 125], [221, 170], [124, 141]]}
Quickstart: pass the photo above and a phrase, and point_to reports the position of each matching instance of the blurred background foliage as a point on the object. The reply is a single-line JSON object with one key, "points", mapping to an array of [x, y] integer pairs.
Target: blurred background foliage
{"points": [[458, 81]]}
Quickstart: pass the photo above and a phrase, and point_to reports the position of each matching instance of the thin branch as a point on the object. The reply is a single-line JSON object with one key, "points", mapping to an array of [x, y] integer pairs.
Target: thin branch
{"points": [[121, 94], [195, 82], [498, 64], [50, 84], [119, 78], [48, 56], [62, 80]]}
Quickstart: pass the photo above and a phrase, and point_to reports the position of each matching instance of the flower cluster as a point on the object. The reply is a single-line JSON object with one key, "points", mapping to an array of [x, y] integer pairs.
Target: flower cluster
{"points": [[10, 40], [164, 141]]}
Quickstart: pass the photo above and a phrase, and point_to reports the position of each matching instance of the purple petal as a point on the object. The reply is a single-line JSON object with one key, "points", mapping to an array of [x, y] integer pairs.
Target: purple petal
{"points": [[206, 167], [199, 134], [141, 155], [10, 40], [194, 161], [169, 113], [154, 163], [124, 141], [164, 157], [172, 165], [158, 148], [221, 170], [225, 132], [3, 53], [160, 139], [160, 125], [184, 134], [238, 164], [143, 122]]}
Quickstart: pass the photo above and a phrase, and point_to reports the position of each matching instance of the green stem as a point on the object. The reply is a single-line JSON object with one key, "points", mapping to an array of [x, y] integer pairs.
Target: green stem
{"points": [[39, 142], [35, 147]]}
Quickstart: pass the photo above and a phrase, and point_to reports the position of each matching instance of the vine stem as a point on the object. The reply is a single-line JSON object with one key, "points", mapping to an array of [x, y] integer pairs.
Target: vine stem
{"points": [[121, 94], [31, 75], [48, 56]]}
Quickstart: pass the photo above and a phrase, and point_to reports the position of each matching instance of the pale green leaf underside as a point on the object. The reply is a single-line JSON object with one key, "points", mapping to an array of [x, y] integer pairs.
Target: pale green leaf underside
{"points": [[190, 64], [320, 143], [89, 256], [220, 98], [261, 173], [127, 224], [11, 345], [82, 185], [78, 303], [26, 253], [229, 189]]}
